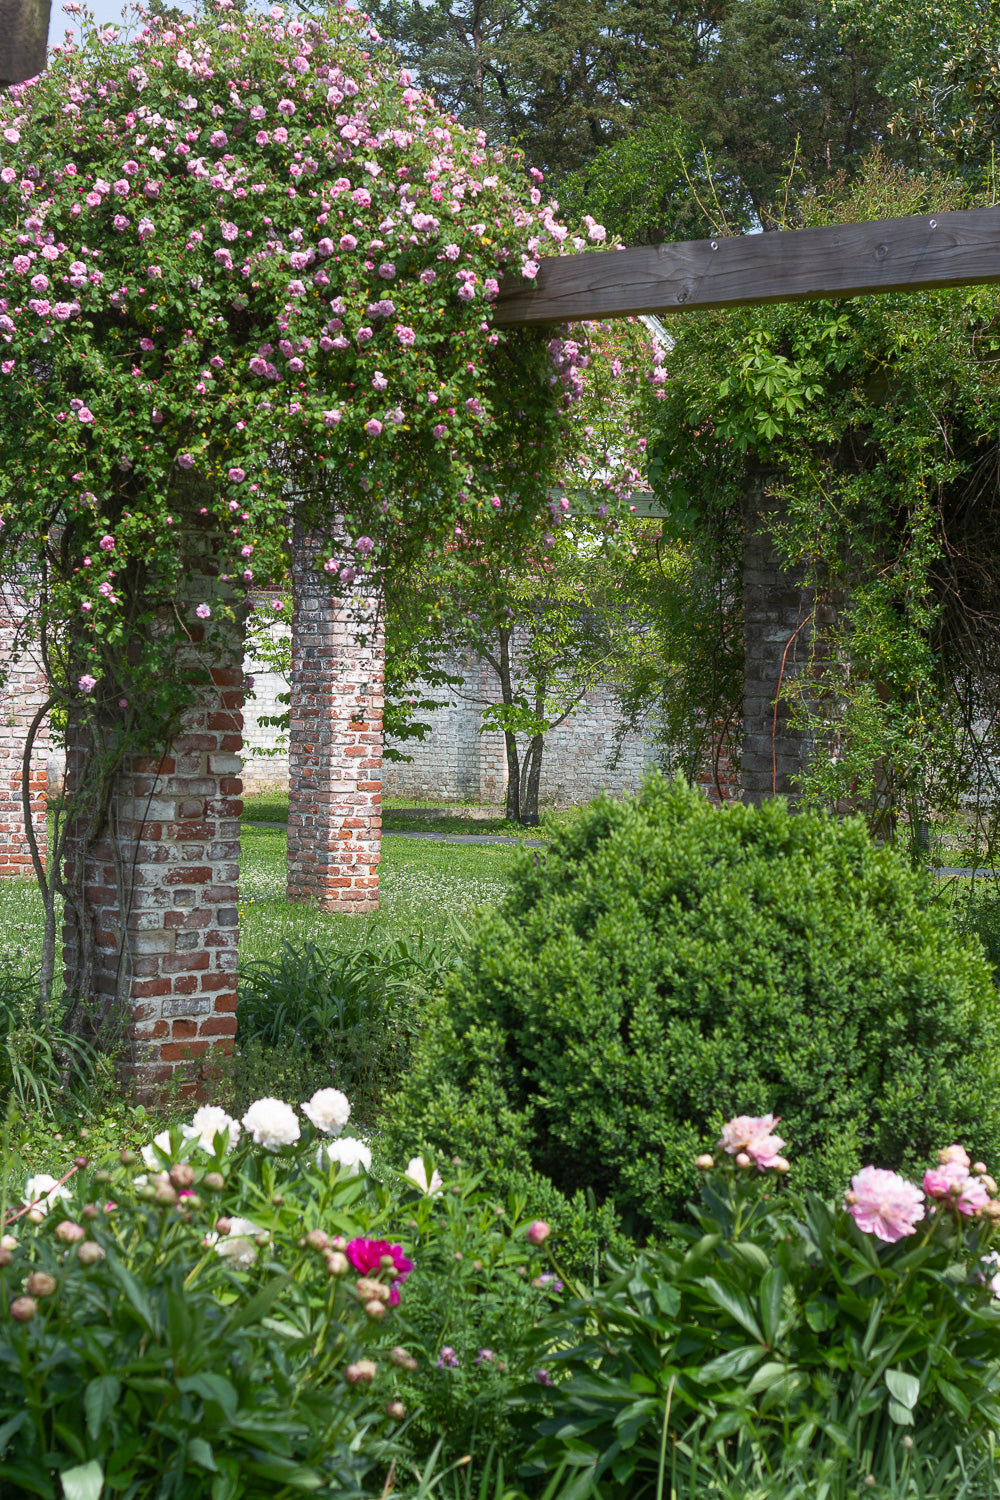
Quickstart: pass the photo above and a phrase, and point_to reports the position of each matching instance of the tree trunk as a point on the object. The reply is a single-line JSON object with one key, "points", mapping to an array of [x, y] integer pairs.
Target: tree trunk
{"points": [[512, 812], [531, 777]]}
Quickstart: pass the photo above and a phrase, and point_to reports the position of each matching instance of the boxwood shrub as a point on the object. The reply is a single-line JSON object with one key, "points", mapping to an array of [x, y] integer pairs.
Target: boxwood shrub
{"points": [[665, 964]]}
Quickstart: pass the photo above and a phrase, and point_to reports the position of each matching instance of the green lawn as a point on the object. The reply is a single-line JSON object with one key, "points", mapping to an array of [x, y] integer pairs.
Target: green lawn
{"points": [[423, 885], [465, 817]]}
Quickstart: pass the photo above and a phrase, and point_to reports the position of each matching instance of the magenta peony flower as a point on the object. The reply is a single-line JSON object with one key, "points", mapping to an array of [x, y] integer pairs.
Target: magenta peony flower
{"points": [[884, 1204], [366, 1257]]}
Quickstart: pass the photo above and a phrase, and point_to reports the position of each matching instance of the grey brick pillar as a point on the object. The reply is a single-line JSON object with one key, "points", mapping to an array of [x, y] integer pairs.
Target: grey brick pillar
{"points": [[780, 615]]}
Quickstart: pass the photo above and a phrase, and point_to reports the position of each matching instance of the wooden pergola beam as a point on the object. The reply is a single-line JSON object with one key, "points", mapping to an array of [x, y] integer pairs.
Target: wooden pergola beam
{"points": [[841, 260]]}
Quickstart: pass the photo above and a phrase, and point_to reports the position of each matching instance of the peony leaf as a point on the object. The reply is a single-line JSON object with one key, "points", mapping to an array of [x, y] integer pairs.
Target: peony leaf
{"points": [[85, 1482], [905, 1388]]}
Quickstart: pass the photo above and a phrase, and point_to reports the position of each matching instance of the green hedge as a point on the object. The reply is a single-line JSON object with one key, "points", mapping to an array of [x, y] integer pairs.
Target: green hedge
{"points": [[665, 965]]}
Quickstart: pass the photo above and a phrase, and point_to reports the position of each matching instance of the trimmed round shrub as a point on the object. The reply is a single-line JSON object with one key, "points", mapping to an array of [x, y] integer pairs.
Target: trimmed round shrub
{"points": [[665, 965]]}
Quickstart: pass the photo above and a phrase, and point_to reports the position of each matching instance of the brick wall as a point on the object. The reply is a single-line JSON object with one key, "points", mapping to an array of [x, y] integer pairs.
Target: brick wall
{"points": [[153, 951], [455, 761], [335, 739], [23, 694]]}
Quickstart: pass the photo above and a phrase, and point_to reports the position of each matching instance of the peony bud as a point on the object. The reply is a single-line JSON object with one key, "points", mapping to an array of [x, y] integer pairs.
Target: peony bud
{"points": [[337, 1263], [23, 1309], [538, 1232], [40, 1284], [979, 1168], [363, 1372], [127, 1158], [6, 1256], [182, 1174], [989, 1183], [704, 1163], [224, 1226], [70, 1233], [318, 1239], [375, 1308], [396, 1410], [213, 1182], [743, 1160], [779, 1164], [8, 1242], [89, 1253], [89, 1211], [164, 1194]]}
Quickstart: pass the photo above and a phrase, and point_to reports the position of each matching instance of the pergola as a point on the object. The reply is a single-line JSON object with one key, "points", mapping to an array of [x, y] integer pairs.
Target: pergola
{"points": [[845, 260], [181, 987]]}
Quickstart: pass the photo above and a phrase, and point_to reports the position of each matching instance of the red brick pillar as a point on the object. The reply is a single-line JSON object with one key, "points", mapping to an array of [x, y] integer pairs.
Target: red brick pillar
{"points": [[161, 900], [23, 694], [335, 736]]}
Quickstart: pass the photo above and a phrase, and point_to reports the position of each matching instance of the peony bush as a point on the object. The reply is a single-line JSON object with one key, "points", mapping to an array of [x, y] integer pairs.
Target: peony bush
{"points": [[786, 1345], [240, 1310]]}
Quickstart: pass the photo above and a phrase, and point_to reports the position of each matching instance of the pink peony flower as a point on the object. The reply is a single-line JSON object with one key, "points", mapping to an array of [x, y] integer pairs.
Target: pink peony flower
{"points": [[373, 427], [203, 611], [954, 1154], [755, 1136], [106, 543], [885, 1204], [953, 1183]]}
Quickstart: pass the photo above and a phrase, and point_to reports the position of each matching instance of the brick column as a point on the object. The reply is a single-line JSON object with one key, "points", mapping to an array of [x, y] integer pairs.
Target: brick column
{"points": [[780, 618], [23, 694], [334, 738], [161, 901]]}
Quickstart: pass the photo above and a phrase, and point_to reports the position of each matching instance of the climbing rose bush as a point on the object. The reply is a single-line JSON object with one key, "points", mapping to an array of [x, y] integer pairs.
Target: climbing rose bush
{"points": [[238, 254]]}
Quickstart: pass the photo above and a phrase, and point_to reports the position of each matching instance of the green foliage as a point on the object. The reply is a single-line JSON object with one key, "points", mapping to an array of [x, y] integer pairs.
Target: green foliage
{"points": [[34, 1049], [870, 427], [350, 1012], [779, 1351], [663, 957]]}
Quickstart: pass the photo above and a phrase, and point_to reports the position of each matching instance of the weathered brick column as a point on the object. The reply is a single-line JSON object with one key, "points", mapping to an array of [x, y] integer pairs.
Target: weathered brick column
{"points": [[780, 617], [23, 694], [334, 738], [161, 901]]}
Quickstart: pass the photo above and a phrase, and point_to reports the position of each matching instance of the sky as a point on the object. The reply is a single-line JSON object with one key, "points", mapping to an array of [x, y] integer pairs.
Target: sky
{"points": [[104, 11]]}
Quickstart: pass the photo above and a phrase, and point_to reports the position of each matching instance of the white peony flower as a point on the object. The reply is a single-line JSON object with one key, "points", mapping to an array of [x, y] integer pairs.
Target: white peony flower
{"points": [[148, 1153], [42, 1191], [328, 1110], [210, 1121], [349, 1154], [416, 1172], [238, 1245], [272, 1123]]}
